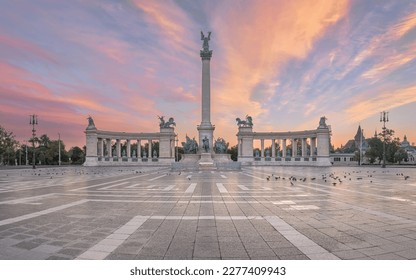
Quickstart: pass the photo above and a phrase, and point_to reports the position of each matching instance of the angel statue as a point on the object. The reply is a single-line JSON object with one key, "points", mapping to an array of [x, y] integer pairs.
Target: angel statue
{"points": [[205, 45]]}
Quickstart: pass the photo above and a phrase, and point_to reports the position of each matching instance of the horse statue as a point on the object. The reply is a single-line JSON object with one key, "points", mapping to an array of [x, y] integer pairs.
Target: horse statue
{"points": [[220, 146], [248, 122], [190, 146], [162, 121]]}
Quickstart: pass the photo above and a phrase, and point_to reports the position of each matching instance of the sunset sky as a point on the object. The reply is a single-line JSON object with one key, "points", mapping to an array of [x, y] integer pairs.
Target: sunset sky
{"points": [[285, 63]]}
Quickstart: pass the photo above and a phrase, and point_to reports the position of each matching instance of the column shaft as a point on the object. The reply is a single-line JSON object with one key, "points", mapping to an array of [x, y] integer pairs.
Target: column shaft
{"points": [[294, 147], [118, 148], [303, 147], [128, 148], [109, 150], [283, 148]]}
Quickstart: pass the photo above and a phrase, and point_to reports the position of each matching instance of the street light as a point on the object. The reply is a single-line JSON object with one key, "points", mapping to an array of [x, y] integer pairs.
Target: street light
{"points": [[177, 140], [361, 145], [384, 117], [33, 121], [27, 162], [59, 149]]}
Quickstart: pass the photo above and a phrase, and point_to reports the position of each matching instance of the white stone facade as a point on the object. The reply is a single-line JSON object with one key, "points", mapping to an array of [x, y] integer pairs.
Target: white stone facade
{"points": [[318, 141], [100, 153]]}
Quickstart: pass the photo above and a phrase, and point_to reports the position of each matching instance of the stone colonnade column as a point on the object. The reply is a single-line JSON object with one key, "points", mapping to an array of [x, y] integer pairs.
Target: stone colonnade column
{"points": [[273, 148], [262, 148], [283, 148], [108, 143], [303, 147], [149, 150], [313, 146], [139, 148], [128, 148], [118, 148], [294, 147]]}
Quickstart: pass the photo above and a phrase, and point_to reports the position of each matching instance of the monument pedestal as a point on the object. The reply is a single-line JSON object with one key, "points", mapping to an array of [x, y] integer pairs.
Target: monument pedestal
{"points": [[206, 162]]}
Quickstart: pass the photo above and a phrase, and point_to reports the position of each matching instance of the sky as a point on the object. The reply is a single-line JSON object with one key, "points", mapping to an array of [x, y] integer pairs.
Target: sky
{"points": [[285, 63]]}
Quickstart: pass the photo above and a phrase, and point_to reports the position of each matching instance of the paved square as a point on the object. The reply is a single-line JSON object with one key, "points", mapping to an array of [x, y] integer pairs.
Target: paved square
{"points": [[256, 213]]}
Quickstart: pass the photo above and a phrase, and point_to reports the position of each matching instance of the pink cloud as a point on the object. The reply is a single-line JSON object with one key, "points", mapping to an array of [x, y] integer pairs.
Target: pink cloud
{"points": [[14, 43]]}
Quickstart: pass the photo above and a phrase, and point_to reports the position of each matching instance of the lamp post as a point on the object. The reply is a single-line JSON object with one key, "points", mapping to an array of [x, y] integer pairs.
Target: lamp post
{"points": [[361, 146], [177, 152], [59, 149], [27, 162], [33, 121], [384, 117]]}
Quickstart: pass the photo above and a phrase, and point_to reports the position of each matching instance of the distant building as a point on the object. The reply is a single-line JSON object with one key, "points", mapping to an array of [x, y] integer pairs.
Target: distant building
{"points": [[411, 150], [346, 155]]}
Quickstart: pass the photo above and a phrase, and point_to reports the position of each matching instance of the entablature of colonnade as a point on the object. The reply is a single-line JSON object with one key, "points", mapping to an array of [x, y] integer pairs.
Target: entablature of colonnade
{"points": [[132, 135], [280, 135]]}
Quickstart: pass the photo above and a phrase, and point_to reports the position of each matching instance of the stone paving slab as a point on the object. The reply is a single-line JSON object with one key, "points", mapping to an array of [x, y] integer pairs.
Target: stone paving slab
{"points": [[153, 213]]}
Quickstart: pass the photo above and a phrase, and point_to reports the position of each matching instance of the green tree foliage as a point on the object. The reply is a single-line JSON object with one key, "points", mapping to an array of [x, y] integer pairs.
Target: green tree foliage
{"points": [[234, 152], [52, 153], [44, 141], [375, 151], [8, 146], [400, 155], [77, 155]]}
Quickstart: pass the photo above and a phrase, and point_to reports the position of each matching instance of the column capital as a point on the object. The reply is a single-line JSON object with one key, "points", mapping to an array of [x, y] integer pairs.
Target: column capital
{"points": [[206, 55]]}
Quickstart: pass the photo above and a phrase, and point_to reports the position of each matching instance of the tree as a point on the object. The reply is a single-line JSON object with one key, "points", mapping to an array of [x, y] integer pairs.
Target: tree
{"points": [[8, 146], [234, 152], [44, 141], [77, 155], [52, 153], [375, 150], [376, 147], [400, 155]]}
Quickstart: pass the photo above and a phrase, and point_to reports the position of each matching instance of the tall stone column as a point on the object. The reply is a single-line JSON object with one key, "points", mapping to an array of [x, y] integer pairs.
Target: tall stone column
{"points": [[206, 129], [273, 148]]}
